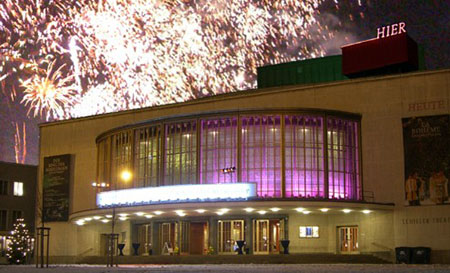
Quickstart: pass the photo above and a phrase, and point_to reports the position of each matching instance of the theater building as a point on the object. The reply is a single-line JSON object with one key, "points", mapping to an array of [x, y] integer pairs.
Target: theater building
{"points": [[323, 165]]}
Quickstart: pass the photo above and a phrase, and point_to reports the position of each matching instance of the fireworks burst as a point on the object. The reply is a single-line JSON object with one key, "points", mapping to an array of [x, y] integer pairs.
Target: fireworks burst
{"points": [[79, 58], [49, 95]]}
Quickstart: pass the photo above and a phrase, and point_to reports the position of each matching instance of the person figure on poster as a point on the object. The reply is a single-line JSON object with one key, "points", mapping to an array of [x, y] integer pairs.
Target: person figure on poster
{"points": [[411, 190], [438, 187]]}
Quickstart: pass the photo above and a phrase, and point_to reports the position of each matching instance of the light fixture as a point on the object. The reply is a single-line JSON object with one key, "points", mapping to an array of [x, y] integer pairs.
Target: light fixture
{"points": [[200, 210], [123, 214], [108, 216], [225, 210], [220, 212], [87, 219], [80, 222], [275, 209], [96, 217], [139, 213], [324, 209], [366, 211], [94, 184], [125, 175], [306, 212], [346, 210], [249, 209], [148, 216], [262, 212], [158, 212], [180, 213], [300, 209], [105, 220], [123, 218]]}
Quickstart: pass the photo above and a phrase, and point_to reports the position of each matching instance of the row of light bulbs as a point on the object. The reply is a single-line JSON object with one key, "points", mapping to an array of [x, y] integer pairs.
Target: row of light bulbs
{"points": [[222, 211]]}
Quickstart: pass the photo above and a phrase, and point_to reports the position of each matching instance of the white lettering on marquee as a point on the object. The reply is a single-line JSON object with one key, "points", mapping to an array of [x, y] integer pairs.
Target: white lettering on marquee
{"points": [[391, 30]]}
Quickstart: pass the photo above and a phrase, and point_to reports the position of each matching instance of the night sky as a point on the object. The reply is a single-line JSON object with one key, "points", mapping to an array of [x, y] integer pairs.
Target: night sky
{"points": [[65, 59]]}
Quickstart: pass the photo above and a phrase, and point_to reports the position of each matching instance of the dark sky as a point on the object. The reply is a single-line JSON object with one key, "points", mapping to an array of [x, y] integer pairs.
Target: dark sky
{"points": [[427, 22]]}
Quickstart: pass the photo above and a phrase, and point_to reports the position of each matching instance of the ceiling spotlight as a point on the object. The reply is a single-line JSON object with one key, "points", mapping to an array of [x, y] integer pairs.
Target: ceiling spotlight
{"points": [[80, 222], [87, 219], [262, 212], [105, 220], [180, 213], [249, 209], [96, 217], [108, 216], [158, 212], [366, 211], [139, 213], [123, 218], [275, 209], [123, 214], [324, 209], [300, 209], [346, 210], [148, 216], [306, 212], [200, 210]]}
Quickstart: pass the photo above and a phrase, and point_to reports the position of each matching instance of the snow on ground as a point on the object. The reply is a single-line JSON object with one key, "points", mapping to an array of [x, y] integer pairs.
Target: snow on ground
{"points": [[246, 268]]}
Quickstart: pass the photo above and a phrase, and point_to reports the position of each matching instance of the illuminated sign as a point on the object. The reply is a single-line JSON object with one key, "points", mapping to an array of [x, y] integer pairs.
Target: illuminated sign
{"points": [[391, 30], [179, 193]]}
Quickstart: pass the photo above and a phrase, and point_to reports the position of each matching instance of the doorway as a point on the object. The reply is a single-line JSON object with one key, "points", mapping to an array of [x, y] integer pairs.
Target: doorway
{"points": [[267, 236], [348, 240], [230, 231], [198, 238], [145, 239]]}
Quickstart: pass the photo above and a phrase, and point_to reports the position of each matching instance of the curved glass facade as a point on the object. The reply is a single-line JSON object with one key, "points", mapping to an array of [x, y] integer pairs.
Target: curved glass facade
{"points": [[288, 155]]}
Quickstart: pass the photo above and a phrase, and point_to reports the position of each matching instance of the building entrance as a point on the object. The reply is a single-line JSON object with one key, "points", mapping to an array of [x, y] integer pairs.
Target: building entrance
{"points": [[266, 236], [198, 243], [229, 232], [348, 239], [145, 239]]}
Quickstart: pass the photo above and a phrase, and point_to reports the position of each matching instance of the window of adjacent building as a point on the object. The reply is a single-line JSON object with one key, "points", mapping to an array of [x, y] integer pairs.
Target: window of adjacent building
{"points": [[261, 153], [218, 155], [309, 232], [16, 214], [3, 219], [3, 187], [180, 161], [18, 188]]}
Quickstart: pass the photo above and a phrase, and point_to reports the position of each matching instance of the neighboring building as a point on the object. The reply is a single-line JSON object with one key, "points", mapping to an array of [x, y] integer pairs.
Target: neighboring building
{"points": [[17, 198], [348, 166]]}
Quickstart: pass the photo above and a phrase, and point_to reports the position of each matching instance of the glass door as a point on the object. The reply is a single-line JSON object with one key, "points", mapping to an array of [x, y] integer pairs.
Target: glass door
{"points": [[229, 232], [274, 236], [348, 240], [261, 237], [145, 239]]}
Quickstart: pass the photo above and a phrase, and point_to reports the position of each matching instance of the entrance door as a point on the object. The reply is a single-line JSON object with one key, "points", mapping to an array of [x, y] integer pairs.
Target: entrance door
{"points": [[261, 237], [274, 236], [168, 236], [197, 238], [145, 239], [229, 232], [348, 240]]}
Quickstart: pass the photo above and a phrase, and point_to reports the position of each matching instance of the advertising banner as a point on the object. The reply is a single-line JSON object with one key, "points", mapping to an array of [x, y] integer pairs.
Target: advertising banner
{"points": [[426, 151], [56, 190]]}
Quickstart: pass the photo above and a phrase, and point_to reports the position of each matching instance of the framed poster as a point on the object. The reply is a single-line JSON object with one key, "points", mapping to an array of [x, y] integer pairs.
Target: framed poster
{"points": [[426, 156], [56, 190]]}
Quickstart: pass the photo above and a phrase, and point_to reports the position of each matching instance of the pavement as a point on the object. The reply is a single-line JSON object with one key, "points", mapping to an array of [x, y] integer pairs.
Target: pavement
{"points": [[232, 268]]}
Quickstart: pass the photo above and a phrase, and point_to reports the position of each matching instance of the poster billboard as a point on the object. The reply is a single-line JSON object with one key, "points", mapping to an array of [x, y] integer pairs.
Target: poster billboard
{"points": [[56, 192], [426, 156]]}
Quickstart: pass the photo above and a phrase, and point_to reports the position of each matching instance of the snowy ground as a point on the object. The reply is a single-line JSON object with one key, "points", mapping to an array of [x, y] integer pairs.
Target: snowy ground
{"points": [[269, 268]]}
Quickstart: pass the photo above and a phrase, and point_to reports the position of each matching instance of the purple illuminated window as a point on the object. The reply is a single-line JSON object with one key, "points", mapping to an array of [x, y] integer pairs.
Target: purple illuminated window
{"points": [[218, 155], [343, 164], [304, 157], [261, 154]]}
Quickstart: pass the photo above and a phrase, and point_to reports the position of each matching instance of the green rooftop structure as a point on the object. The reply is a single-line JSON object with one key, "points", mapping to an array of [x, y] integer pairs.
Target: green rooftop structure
{"points": [[319, 70]]}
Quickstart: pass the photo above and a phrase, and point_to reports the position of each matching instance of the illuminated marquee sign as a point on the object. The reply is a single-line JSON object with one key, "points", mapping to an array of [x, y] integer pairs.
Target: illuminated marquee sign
{"points": [[391, 30], [179, 193]]}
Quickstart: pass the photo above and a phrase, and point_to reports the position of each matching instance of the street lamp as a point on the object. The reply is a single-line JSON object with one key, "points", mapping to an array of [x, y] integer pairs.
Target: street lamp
{"points": [[126, 176]]}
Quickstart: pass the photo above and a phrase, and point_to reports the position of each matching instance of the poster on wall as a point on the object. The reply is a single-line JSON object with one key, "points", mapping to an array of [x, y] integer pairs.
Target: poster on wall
{"points": [[426, 152], [56, 191]]}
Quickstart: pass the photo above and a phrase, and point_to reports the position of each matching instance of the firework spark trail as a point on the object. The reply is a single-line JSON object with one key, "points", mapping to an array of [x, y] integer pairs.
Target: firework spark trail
{"points": [[20, 143], [78, 58]]}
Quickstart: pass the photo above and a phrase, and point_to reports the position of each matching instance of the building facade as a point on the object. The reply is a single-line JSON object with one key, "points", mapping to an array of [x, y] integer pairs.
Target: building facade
{"points": [[320, 165], [17, 198]]}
